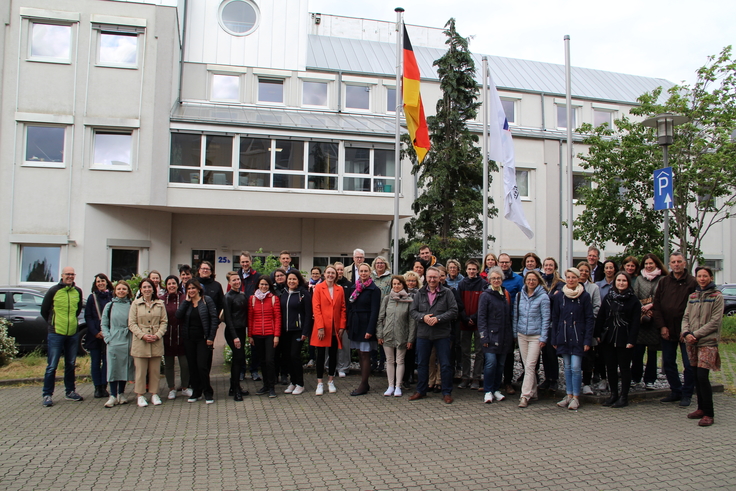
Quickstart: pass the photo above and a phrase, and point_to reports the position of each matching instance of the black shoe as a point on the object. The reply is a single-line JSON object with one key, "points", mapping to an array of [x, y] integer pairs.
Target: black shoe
{"points": [[544, 385], [263, 390], [671, 398], [100, 392], [255, 376], [437, 389], [284, 380], [244, 393], [272, 393], [237, 397], [622, 401], [611, 400], [230, 392], [685, 401], [553, 386]]}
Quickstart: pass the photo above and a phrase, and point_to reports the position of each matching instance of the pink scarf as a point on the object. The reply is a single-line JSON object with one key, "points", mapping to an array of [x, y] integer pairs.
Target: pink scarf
{"points": [[360, 285], [652, 275]]}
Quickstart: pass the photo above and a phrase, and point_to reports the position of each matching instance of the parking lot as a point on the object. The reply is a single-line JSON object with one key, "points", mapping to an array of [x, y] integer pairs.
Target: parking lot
{"points": [[363, 443]]}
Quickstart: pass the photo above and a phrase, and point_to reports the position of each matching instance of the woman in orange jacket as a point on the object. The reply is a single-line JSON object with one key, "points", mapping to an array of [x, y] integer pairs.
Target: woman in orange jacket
{"points": [[264, 330], [328, 308]]}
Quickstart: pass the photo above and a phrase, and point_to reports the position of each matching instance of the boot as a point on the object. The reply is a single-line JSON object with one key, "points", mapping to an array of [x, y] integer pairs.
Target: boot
{"points": [[611, 400], [365, 372], [100, 391], [623, 401], [238, 395]]}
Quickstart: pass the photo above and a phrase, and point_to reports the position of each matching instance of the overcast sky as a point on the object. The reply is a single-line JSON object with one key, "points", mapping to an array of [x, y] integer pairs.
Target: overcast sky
{"points": [[656, 38]]}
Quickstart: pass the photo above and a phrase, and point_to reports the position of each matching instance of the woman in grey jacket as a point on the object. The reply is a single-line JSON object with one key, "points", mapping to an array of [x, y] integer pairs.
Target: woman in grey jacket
{"points": [[118, 337], [531, 326], [396, 332]]}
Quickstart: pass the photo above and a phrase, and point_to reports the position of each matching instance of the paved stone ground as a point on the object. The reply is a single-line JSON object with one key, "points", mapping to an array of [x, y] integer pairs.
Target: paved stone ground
{"points": [[363, 443]]}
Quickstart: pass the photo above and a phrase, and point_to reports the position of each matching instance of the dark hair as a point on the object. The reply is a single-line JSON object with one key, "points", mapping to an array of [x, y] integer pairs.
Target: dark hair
{"points": [[631, 259], [246, 254], [212, 268], [185, 268], [473, 262], [267, 279], [154, 295], [628, 279], [299, 278], [424, 270], [615, 266], [278, 270], [127, 285], [536, 259], [108, 285], [318, 269], [706, 269], [657, 262], [400, 278], [193, 282], [172, 277], [284, 252], [425, 246]]}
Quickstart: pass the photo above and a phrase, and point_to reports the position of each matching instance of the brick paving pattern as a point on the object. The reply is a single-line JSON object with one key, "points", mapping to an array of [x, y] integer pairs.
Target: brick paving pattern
{"points": [[362, 443]]}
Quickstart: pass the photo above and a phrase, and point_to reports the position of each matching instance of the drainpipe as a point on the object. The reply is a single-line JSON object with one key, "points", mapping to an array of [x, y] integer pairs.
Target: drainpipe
{"points": [[183, 43]]}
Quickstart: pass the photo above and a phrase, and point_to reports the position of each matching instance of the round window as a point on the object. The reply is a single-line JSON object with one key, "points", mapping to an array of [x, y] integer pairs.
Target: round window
{"points": [[238, 17]]}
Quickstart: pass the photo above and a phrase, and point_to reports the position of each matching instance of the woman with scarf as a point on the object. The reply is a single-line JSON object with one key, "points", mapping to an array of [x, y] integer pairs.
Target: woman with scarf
{"points": [[396, 332], [264, 331], [315, 278], [364, 305], [381, 275], [553, 283], [296, 323], [571, 333], [649, 338], [328, 309], [616, 329], [211, 288], [531, 327], [531, 262], [413, 284], [496, 333], [94, 340], [173, 341], [117, 337], [701, 332], [454, 276]]}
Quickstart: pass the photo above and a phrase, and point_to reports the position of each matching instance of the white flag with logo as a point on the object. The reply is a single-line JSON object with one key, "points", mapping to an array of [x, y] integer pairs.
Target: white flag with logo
{"points": [[501, 149]]}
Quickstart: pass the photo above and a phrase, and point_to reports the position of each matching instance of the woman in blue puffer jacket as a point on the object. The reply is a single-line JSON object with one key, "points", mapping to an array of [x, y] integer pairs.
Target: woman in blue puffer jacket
{"points": [[571, 332], [531, 326]]}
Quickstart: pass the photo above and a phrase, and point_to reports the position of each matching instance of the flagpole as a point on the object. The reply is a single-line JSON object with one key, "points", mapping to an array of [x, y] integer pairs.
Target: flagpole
{"points": [[485, 158], [397, 144], [568, 104]]}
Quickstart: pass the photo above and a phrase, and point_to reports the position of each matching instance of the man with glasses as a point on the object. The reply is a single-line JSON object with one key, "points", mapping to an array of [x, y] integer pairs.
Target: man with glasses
{"points": [[60, 307], [596, 266], [351, 272]]}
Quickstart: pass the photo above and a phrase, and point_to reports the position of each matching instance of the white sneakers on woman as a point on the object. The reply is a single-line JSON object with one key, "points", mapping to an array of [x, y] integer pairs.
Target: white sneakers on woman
{"points": [[397, 392], [290, 389], [156, 400], [320, 389], [172, 394], [389, 392], [142, 402], [111, 401], [298, 389], [122, 399], [331, 387]]}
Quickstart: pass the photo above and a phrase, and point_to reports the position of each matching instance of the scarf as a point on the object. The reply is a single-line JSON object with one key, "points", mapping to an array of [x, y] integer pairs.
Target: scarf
{"points": [[548, 278], [360, 285], [313, 283], [260, 295], [508, 274], [401, 296], [650, 276], [573, 293]]}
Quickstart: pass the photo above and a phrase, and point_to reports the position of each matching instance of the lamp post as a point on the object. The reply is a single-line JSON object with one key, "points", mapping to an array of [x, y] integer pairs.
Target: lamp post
{"points": [[665, 124]]}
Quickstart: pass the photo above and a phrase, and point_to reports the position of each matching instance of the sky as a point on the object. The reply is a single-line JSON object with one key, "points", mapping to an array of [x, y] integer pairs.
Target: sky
{"points": [[654, 38]]}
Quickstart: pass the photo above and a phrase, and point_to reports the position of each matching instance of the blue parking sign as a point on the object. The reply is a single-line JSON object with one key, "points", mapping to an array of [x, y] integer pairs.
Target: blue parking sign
{"points": [[663, 195]]}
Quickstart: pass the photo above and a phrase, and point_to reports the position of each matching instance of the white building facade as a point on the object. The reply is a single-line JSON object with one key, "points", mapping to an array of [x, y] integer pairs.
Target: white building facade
{"points": [[145, 135]]}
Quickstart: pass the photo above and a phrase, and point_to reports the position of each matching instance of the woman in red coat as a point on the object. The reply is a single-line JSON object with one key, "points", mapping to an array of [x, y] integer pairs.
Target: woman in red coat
{"points": [[328, 308], [264, 329]]}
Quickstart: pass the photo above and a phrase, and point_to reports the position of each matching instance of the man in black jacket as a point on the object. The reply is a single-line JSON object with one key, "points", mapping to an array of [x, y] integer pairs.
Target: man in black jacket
{"points": [[596, 267]]}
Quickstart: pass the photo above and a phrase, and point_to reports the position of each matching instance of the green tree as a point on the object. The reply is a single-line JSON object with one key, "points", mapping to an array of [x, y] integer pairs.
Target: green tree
{"points": [[448, 212], [619, 207]]}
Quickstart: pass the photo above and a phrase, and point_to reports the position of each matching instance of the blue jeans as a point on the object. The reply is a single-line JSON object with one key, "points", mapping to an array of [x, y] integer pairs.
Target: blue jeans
{"points": [[669, 363], [424, 350], [56, 344], [493, 371], [98, 366], [573, 373]]}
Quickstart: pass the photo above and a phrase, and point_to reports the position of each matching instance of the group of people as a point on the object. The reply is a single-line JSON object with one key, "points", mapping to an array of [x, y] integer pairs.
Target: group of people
{"points": [[599, 318]]}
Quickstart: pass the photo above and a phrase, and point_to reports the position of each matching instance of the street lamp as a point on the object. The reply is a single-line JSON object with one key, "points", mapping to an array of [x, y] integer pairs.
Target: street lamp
{"points": [[665, 124]]}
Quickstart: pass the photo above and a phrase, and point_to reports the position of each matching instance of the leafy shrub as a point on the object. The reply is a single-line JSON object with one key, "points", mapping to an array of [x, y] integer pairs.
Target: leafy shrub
{"points": [[8, 348], [728, 330]]}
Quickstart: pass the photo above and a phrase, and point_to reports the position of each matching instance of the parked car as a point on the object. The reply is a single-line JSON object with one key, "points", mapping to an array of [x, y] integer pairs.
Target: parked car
{"points": [[729, 298], [21, 305]]}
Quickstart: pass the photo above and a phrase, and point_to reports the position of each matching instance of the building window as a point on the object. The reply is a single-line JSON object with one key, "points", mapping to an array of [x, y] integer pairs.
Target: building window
{"points": [[369, 169], [118, 49], [601, 117], [239, 17], [51, 42], [113, 150], [580, 183], [288, 159], [358, 97], [270, 90], [522, 183], [391, 99], [124, 263], [509, 108], [40, 264], [562, 116], [225, 88], [45, 145], [314, 93], [322, 165], [218, 153]]}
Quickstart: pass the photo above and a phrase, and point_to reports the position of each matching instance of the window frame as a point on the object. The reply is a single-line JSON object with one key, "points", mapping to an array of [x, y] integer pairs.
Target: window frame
{"points": [[271, 79], [132, 132], [575, 115], [112, 250], [253, 28], [327, 85], [43, 163], [237, 76], [528, 170], [21, 256], [119, 30], [371, 175], [50, 22], [367, 86]]}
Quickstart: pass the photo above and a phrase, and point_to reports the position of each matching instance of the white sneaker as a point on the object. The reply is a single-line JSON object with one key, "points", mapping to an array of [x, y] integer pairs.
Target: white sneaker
{"points": [[499, 396], [488, 398], [331, 387], [565, 402], [602, 385], [290, 389], [111, 401], [341, 374], [298, 389], [187, 392], [310, 364], [320, 389], [209, 401], [574, 404], [172, 394], [142, 402], [587, 391], [389, 392], [397, 392], [122, 399], [156, 400]]}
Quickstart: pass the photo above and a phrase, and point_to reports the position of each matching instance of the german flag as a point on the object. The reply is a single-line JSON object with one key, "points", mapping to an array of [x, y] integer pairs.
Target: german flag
{"points": [[413, 107]]}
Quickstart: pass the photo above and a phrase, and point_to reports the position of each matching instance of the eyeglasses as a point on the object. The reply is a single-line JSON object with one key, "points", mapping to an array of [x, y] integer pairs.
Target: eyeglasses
{"points": [[69, 274], [205, 269]]}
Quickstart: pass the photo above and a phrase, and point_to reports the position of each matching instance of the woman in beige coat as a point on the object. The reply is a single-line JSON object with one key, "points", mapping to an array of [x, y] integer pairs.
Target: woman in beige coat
{"points": [[147, 321]]}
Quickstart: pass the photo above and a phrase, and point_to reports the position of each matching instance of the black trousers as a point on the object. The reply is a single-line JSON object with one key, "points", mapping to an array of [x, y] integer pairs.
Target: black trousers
{"points": [[291, 344], [265, 350], [618, 359], [238, 355], [551, 363], [331, 363], [199, 357], [704, 391]]}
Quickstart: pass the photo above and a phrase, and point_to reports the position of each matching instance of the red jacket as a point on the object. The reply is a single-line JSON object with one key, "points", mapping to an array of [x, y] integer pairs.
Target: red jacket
{"points": [[470, 290], [264, 316]]}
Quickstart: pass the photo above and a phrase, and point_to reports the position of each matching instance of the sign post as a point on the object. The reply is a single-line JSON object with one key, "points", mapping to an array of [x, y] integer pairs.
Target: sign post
{"points": [[663, 199]]}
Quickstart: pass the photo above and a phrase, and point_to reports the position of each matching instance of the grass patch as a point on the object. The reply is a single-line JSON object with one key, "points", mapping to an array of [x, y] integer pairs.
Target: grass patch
{"points": [[727, 375], [728, 330], [33, 365]]}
